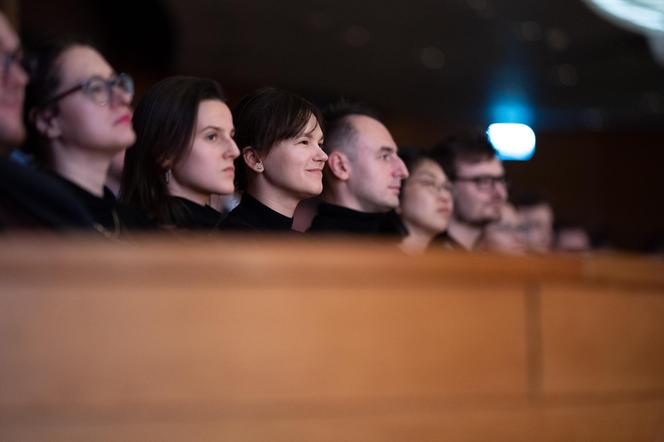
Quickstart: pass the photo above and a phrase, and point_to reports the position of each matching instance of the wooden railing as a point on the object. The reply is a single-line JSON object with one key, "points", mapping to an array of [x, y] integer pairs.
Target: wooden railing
{"points": [[268, 339]]}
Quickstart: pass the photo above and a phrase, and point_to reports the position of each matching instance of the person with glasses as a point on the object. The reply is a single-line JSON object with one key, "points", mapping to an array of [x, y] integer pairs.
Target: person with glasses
{"points": [[28, 199], [183, 154], [426, 201], [78, 113], [479, 186]]}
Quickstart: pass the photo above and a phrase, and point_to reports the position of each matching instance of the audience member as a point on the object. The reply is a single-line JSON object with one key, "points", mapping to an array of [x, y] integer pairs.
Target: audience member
{"points": [[362, 177], [537, 216], [505, 235], [280, 136], [79, 117], [183, 154], [28, 199], [426, 201], [479, 186]]}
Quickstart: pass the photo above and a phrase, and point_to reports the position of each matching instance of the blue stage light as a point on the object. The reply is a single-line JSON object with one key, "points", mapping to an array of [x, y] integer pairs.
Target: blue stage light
{"points": [[512, 141]]}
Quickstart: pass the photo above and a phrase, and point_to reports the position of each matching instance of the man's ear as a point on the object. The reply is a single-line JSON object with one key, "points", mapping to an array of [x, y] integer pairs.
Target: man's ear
{"points": [[339, 165], [252, 159], [46, 123]]}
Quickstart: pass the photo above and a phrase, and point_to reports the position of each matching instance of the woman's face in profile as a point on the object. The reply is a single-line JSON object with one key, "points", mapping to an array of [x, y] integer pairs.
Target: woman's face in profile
{"points": [[294, 166], [426, 200], [91, 118], [208, 166]]}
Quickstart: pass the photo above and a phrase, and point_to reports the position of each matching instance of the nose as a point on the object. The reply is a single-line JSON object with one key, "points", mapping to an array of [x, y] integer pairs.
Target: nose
{"points": [[400, 169], [233, 151], [500, 190], [121, 96], [16, 74], [320, 155]]}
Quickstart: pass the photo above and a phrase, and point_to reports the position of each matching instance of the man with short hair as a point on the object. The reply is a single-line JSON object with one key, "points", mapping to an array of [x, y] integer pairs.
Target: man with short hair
{"points": [[479, 187], [537, 215], [362, 176], [28, 199]]}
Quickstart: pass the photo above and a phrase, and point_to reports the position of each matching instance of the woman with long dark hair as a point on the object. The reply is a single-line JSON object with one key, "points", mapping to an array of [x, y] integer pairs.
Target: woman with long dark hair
{"points": [[183, 154], [280, 136]]}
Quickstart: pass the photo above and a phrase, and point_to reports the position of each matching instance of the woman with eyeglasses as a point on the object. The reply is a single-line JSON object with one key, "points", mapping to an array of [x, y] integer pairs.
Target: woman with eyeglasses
{"points": [[425, 202], [78, 114], [183, 154], [282, 161]]}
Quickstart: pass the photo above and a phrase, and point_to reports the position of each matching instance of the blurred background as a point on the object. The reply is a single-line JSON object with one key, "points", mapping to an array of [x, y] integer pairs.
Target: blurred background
{"points": [[591, 88]]}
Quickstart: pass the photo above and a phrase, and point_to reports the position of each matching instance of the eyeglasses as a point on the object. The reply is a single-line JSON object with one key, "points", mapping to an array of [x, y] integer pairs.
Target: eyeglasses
{"points": [[432, 186], [98, 89], [17, 56], [485, 183]]}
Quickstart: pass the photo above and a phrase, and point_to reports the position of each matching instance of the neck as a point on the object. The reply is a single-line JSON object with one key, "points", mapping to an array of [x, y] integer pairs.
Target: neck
{"points": [[176, 189], [339, 195], [464, 233], [279, 201], [417, 240], [85, 167]]}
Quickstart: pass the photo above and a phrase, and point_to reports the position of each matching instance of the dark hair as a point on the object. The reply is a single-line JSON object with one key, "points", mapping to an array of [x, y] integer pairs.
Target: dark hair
{"points": [[266, 117], [340, 131], [45, 74], [164, 121], [470, 147], [412, 156]]}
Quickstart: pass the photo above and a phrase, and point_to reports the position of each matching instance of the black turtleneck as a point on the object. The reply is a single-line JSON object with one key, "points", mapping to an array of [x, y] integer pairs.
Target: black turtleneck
{"points": [[193, 216], [252, 215], [31, 199], [107, 211], [337, 219]]}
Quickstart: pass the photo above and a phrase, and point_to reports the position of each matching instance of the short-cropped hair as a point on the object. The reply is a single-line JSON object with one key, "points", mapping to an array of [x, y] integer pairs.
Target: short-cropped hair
{"points": [[266, 117], [469, 147]]}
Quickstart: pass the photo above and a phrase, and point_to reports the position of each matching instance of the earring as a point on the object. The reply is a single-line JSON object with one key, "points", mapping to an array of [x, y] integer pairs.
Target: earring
{"points": [[167, 176], [259, 167]]}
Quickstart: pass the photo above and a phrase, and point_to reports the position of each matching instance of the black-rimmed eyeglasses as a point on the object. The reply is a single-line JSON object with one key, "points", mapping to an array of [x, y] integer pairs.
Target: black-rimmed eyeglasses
{"points": [[17, 56], [99, 90], [485, 183]]}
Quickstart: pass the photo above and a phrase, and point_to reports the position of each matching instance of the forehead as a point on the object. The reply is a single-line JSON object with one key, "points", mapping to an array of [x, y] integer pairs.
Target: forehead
{"points": [[312, 128], [428, 167], [81, 62], [541, 212], [8, 38], [371, 134], [493, 167], [214, 113]]}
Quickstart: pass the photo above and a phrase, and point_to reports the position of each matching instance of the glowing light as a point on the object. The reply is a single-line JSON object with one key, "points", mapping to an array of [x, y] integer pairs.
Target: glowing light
{"points": [[640, 15], [512, 141]]}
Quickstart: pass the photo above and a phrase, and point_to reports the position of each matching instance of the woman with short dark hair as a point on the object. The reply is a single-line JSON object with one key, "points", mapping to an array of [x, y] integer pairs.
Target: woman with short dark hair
{"points": [[280, 136], [183, 154]]}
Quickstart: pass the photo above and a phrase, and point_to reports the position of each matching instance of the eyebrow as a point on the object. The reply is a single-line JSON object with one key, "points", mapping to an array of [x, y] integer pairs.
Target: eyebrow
{"points": [[426, 173], [212, 127], [388, 149]]}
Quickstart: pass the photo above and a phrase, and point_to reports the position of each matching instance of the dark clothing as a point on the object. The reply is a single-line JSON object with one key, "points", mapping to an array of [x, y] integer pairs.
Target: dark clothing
{"points": [[252, 215], [192, 216], [446, 241], [336, 219], [32, 200], [110, 216]]}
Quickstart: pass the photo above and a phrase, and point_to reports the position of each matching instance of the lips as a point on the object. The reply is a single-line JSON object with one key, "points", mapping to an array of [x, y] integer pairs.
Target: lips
{"points": [[126, 118]]}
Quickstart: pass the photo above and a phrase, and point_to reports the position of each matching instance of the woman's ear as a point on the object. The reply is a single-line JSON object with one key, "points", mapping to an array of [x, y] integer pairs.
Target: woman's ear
{"points": [[252, 159], [45, 122], [339, 165]]}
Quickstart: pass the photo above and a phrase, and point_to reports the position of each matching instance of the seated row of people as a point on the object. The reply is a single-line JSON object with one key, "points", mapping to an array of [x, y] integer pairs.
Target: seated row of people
{"points": [[185, 147]]}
